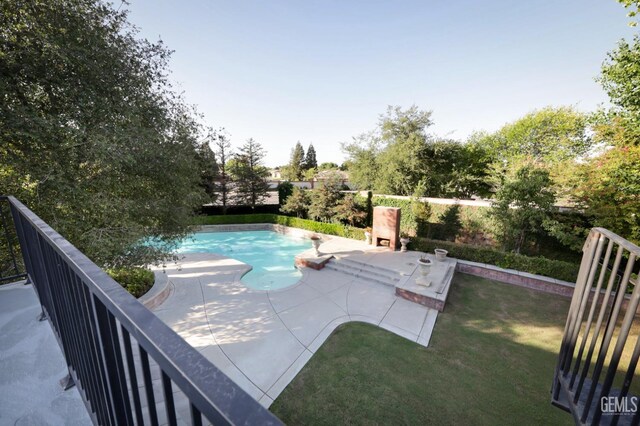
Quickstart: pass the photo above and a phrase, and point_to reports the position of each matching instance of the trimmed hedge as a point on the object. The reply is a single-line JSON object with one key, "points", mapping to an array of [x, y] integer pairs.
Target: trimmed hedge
{"points": [[558, 269], [294, 222], [136, 281], [236, 219], [322, 227], [259, 209]]}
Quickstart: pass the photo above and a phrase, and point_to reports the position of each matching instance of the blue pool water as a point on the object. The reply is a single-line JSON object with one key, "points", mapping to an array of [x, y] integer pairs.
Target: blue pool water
{"points": [[270, 254]]}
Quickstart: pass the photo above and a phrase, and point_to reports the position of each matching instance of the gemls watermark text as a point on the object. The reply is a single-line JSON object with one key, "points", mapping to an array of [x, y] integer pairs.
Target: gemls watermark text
{"points": [[616, 406]]}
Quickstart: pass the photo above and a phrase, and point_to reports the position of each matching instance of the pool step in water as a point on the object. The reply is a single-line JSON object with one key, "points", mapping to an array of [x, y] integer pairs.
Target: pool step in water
{"points": [[364, 271]]}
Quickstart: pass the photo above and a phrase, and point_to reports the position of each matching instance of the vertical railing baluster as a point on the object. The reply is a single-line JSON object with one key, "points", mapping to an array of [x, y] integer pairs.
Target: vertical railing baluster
{"points": [[148, 386], [632, 308], [196, 417], [96, 355], [594, 303], [115, 369], [66, 335], [88, 381], [598, 328], [168, 399], [135, 391], [606, 340], [628, 377], [583, 299]]}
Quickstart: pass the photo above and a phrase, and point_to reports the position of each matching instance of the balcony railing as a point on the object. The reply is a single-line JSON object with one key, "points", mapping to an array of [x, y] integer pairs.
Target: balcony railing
{"points": [[129, 366], [601, 347]]}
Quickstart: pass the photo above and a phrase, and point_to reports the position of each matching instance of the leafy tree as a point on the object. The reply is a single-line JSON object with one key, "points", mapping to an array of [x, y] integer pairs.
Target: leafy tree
{"points": [[309, 175], [548, 136], [607, 187], [389, 159], [224, 154], [92, 136], [521, 205], [296, 167], [310, 161], [249, 174], [634, 6], [620, 78], [350, 211], [453, 169], [609, 191], [363, 152], [328, 166], [401, 163], [297, 203], [325, 199], [399, 154]]}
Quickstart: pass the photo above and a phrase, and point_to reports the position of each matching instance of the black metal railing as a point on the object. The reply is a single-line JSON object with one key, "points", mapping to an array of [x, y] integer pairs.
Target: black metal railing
{"points": [[601, 345], [130, 367]]}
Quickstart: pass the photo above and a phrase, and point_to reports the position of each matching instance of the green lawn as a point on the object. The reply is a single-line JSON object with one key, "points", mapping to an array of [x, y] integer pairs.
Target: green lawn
{"points": [[490, 361]]}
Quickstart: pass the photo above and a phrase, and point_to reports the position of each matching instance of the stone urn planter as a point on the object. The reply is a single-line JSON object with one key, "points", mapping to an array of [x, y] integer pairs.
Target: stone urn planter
{"points": [[367, 237], [315, 242], [441, 254], [403, 242], [425, 267]]}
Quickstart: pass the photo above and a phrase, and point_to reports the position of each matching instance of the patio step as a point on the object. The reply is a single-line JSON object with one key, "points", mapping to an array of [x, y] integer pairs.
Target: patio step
{"points": [[364, 271], [380, 270]]}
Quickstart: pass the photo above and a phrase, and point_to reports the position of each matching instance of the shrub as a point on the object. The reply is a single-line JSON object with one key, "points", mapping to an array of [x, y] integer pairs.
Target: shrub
{"points": [[450, 224], [350, 212], [561, 270], [136, 281], [284, 190], [297, 203]]}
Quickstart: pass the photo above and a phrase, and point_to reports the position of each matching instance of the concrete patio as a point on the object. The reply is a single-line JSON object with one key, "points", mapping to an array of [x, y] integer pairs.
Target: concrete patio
{"points": [[262, 339]]}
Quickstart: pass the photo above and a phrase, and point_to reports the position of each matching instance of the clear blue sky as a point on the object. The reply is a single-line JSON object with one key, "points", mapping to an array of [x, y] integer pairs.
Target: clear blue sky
{"points": [[323, 71]]}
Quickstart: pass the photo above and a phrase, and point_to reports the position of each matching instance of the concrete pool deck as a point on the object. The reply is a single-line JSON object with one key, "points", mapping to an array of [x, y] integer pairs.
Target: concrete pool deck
{"points": [[262, 339]]}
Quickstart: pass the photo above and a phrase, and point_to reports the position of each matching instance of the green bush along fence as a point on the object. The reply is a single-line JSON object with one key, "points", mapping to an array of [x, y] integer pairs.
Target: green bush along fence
{"points": [[566, 271]]}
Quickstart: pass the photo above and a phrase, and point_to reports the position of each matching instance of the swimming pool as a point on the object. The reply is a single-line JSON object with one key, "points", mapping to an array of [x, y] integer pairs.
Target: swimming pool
{"points": [[270, 254]]}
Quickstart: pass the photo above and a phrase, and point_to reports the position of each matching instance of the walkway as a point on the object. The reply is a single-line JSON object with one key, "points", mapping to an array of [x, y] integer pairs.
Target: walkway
{"points": [[31, 365], [262, 339]]}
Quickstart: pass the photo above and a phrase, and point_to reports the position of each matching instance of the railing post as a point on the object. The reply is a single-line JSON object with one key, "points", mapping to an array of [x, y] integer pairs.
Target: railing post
{"points": [[577, 383]]}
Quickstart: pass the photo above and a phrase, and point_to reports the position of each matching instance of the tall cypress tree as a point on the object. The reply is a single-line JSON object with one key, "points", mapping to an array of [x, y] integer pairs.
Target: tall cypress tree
{"points": [[310, 161], [296, 163]]}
